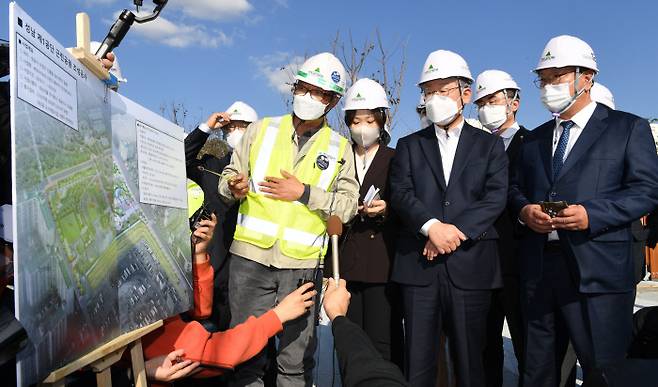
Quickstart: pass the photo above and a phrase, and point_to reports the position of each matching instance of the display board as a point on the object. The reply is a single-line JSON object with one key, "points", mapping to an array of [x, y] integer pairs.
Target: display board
{"points": [[100, 225]]}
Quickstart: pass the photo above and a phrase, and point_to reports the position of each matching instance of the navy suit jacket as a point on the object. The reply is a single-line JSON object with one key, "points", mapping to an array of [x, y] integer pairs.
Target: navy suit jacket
{"points": [[473, 199], [612, 170]]}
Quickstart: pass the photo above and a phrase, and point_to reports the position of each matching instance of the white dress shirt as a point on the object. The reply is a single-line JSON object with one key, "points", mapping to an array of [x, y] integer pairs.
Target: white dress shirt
{"points": [[580, 120], [448, 141], [362, 164], [508, 134], [205, 128]]}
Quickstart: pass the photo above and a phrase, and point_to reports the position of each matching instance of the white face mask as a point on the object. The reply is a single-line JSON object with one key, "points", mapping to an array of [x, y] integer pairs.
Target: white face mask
{"points": [[441, 110], [306, 108], [557, 98], [233, 138], [492, 116], [365, 135]]}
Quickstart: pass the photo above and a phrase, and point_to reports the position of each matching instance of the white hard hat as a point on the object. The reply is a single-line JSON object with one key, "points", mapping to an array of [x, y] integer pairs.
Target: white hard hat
{"points": [[443, 64], [240, 111], [116, 69], [602, 95], [564, 51], [492, 81], [365, 94], [323, 70]]}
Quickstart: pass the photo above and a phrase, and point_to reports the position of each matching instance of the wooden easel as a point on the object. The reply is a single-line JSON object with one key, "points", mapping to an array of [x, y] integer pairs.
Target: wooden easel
{"points": [[82, 52], [101, 359]]}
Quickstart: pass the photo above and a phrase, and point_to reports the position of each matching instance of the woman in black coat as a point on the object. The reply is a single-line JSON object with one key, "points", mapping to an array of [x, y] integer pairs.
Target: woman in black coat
{"points": [[367, 247]]}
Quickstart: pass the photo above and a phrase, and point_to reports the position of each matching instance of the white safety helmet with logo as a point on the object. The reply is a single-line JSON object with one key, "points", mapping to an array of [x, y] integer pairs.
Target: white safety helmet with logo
{"points": [[565, 51], [493, 81], [490, 82], [602, 95], [366, 94], [442, 64], [323, 70], [241, 111]]}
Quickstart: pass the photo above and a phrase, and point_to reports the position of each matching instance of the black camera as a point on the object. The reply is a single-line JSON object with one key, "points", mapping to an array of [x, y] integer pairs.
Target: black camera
{"points": [[202, 213]]}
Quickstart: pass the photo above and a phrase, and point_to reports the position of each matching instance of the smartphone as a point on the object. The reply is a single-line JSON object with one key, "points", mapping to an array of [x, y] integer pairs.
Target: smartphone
{"points": [[553, 208]]}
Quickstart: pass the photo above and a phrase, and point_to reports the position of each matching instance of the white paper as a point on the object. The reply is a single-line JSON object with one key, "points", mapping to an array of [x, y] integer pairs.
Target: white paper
{"points": [[371, 195], [43, 83], [161, 162]]}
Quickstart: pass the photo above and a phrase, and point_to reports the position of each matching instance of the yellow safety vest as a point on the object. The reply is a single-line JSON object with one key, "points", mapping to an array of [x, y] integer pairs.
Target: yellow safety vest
{"points": [[194, 197], [263, 221]]}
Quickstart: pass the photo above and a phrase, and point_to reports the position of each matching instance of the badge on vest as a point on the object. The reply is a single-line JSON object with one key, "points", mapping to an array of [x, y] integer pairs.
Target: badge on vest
{"points": [[322, 161]]}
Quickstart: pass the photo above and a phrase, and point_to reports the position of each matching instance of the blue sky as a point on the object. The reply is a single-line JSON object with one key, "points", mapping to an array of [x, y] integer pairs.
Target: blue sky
{"points": [[208, 53]]}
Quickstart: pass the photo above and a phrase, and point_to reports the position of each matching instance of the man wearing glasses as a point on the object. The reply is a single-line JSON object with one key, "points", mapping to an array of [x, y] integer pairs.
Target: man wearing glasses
{"points": [[290, 173], [448, 185], [578, 183]]}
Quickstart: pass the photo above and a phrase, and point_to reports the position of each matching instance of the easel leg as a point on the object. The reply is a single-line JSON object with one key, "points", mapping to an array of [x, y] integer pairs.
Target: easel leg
{"points": [[104, 378], [137, 357]]}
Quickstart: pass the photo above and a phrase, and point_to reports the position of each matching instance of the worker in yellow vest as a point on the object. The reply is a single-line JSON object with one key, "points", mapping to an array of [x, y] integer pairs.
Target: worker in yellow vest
{"points": [[290, 173]]}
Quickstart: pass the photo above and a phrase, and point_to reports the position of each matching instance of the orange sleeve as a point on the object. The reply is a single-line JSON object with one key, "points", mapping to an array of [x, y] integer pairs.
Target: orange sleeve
{"points": [[229, 348], [203, 289]]}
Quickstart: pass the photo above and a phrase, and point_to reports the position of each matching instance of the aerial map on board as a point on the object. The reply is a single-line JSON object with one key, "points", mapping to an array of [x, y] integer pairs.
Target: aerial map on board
{"points": [[101, 236]]}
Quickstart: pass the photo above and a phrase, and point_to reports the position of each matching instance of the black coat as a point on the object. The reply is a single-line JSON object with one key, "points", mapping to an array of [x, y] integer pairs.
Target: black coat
{"points": [[361, 364], [472, 201], [612, 171], [368, 244], [226, 218], [506, 224]]}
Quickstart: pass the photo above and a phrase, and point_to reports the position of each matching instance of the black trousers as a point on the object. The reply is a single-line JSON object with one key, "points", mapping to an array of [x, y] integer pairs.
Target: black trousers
{"points": [[376, 308], [505, 304], [461, 314], [598, 325]]}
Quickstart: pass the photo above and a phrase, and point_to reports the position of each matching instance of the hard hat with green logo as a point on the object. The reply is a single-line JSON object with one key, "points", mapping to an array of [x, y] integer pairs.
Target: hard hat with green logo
{"points": [[365, 94], [194, 198], [323, 70], [566, 51], [240, 111], [442, 64], [493, 81]]}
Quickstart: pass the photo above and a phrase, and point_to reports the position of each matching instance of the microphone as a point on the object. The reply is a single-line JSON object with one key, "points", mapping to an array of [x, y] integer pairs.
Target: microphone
{"points": [[202, 169], [334, 229]]}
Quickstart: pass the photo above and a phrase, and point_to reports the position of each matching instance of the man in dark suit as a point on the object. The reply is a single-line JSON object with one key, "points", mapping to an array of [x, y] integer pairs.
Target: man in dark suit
{"points": [[577, 267], [498, 99], [205, 172], [448, 185]]}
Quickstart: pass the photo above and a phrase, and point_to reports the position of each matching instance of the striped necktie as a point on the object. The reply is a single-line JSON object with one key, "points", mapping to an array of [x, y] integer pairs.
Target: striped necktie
{"points": [[561, 150]]}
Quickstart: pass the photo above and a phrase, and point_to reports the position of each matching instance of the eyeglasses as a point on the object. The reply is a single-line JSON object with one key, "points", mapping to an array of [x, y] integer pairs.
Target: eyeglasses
{"points": [[500, 98], [550, 80], [300, 89], [443, 92], [236, 125]]}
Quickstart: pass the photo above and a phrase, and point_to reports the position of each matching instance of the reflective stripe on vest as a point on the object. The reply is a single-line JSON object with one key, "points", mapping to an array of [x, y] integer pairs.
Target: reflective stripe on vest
{"points": [[263, 221], [258, 173]]}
